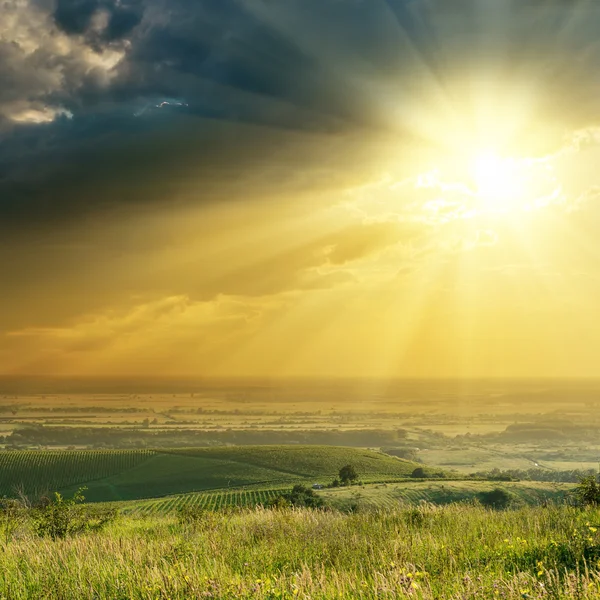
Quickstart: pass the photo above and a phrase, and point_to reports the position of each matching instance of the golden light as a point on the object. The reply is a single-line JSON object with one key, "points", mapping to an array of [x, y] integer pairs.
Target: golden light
{"points": [[500, 182]]}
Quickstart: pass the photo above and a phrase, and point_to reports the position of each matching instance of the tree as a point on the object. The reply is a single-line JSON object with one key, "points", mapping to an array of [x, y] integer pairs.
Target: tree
{"points": [[59, 517], [300, 496], [497, 499], [419, 473], [348, 474], [588, 491]]}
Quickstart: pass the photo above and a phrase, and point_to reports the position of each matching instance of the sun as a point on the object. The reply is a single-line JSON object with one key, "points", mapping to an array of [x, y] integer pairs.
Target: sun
{"points": [[500, 184]]}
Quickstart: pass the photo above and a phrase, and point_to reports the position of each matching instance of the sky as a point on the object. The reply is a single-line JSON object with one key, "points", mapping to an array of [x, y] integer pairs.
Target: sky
{"points": [[377, 188]]}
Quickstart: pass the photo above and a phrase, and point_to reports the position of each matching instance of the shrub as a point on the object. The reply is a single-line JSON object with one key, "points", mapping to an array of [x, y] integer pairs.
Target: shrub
{"points": [[498, 499], [419, 473], [588, 491], [59, 517], [348, 474], [300, 496], [12, 515], [190, 515]]}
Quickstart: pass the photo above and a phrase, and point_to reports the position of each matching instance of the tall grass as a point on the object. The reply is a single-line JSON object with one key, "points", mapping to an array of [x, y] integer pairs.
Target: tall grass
{"points": [[451, 552]]}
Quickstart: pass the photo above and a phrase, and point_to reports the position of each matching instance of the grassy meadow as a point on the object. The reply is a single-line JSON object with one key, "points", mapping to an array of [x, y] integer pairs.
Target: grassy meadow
{"points": [[453, 552]]}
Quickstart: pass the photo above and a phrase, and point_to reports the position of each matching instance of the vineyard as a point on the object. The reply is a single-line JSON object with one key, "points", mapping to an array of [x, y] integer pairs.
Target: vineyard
{"points": [[371, 496], [38, 472], [121, 475], [207, 501], [307, 461]]}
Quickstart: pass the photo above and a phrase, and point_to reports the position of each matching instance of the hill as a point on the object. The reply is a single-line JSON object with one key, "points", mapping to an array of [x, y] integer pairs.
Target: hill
{"points": [[385, 496], [388, 496], [140, 474]]}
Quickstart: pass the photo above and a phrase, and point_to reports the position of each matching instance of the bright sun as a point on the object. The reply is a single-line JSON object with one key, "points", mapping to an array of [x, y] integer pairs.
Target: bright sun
{"points": [[500, 183]]}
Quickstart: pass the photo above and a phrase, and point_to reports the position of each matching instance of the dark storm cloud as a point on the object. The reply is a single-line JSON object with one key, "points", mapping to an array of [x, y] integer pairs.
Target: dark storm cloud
{"points": [[131, 89], [76, 17]]}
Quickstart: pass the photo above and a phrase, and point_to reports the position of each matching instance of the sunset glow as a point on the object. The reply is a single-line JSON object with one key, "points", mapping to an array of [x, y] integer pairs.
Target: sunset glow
{"points": [[392, 190]]}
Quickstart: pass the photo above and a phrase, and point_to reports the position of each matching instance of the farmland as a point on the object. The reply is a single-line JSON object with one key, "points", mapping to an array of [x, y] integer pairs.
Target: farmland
{"points": [[137, 474], [388, 496], [34, 471], [375, 496], [459, 426]]}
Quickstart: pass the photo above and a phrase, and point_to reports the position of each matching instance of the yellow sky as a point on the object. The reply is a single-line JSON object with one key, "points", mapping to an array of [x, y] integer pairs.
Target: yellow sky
{"points": [[436, 274], [452, 232]]}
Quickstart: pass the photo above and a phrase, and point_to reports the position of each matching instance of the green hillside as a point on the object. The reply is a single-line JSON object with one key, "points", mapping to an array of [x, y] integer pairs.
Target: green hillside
{"points": [[39, 472], [388, 496], [133, 475]]}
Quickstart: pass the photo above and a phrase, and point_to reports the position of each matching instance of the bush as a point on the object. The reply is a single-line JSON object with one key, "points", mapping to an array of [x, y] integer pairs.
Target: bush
{"points": [[190, 515], [348, 474], [300, 496], [59, 517], [588, 491], [498, 499], [12, 515], [419, 473]]}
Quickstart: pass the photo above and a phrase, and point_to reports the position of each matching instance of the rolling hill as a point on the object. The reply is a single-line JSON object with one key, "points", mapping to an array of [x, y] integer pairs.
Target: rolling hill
{"points": [[141, 474]]}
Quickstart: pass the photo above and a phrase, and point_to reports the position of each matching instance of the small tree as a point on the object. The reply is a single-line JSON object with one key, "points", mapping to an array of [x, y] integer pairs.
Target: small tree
{"points": [[419, 473], [498, 499], [59, 517], [300, 496], [588, 491], [348, 475]]}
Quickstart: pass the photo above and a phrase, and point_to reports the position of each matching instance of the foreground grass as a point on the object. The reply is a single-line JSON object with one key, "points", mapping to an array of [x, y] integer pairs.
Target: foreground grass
{"points": [[427, 552]]}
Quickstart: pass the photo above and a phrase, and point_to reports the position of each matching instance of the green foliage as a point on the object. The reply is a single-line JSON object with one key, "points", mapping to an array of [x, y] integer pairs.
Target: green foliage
{"points": [[191, 516], [59, 517], [419, 473], [498, 499], [13, 515], [300, 496], [279, 502], [348, 474], [588, 491]]}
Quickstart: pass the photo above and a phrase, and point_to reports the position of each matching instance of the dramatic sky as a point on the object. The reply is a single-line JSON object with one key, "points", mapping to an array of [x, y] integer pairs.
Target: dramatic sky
{"points": [[300, 187]]}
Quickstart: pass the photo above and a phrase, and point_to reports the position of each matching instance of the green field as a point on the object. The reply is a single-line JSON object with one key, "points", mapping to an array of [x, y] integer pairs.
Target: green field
{"points": [[139, 474], [389, 496], [38, 472], [384, 496]]}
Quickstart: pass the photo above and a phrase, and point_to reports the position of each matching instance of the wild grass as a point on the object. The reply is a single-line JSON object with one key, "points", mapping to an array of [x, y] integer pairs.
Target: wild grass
{"points": [[452, 552]]}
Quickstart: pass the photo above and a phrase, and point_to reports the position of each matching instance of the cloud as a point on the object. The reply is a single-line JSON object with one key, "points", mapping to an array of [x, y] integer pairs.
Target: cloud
{"points": [[76, 72], [153, 332], [176, 172]]}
